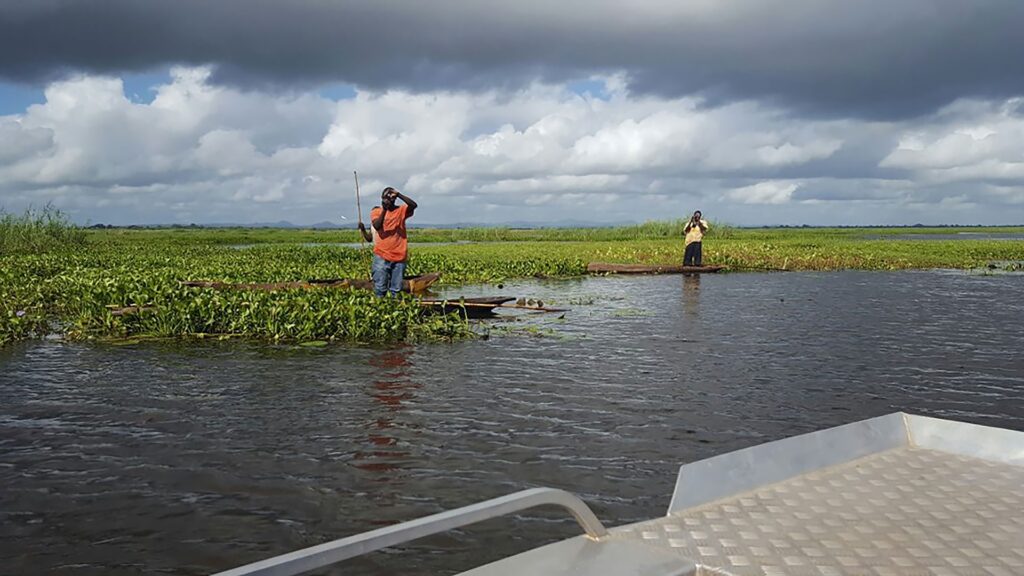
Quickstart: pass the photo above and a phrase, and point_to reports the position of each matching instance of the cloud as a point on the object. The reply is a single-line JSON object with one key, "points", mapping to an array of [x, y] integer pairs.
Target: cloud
{"points": [[206, 152], [871, 58], [774, 192], [18, 143], [971, 141]]}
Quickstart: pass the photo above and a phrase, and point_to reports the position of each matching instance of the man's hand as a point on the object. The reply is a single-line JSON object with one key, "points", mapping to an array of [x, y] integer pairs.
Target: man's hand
{"points": [[363, 233], [408, 202]]}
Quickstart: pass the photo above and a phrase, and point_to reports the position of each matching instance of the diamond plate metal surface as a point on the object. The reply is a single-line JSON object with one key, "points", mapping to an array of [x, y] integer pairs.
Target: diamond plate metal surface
{"points": [[903, 512]]}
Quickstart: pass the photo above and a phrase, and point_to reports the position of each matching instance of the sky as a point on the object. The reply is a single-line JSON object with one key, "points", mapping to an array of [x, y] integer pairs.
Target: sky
{"points": [[757, 112]]}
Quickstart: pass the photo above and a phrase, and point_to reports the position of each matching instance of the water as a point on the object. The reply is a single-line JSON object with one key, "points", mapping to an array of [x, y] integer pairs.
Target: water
{"points": [[191, 459], [950, 236]]}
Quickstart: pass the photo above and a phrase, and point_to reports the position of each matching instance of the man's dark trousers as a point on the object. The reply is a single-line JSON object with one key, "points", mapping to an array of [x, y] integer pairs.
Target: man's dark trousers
{"points": [[692, 257]]}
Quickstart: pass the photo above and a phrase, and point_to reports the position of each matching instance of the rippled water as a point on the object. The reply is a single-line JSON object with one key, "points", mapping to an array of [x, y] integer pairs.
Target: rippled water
{"points": [[186, 460]]}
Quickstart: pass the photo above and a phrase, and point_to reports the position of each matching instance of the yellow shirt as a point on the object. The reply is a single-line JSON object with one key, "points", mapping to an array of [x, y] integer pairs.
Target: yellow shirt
{"points": [[695, 234]]}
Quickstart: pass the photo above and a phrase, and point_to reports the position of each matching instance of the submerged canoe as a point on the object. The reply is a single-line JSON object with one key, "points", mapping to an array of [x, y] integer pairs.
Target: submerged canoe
{"points": [[470, 307], [412, 284], [604, 268]]}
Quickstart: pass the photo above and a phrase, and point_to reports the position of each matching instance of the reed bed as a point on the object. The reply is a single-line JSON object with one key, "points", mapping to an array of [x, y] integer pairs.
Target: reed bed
{"points": [[36, 231]]}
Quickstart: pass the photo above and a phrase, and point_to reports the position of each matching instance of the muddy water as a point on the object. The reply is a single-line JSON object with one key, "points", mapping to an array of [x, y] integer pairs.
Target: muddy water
{"points": [[186, 460]]}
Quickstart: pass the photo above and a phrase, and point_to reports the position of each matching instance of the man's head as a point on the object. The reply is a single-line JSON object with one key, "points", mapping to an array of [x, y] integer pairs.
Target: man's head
{"points": [[387, 198]]}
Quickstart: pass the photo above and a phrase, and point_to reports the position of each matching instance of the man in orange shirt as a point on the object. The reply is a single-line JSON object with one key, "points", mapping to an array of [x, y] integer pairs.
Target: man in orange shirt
{"points": [[391, 249]]}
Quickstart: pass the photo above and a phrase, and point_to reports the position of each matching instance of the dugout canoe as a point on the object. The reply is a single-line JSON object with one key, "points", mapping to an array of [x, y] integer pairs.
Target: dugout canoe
{"points": [[412, 284], [605, 268], [470, 307], [899, 494]]}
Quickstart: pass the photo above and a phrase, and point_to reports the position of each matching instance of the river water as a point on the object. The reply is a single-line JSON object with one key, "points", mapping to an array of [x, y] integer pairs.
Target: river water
{"points": [[174, 459], [1017, 236]]}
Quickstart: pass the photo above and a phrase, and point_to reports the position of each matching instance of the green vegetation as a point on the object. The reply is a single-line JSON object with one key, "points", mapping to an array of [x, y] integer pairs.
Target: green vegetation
{"points": [[37, 231], [662, 230], [55, 279], [82, 294], [258, 236]]}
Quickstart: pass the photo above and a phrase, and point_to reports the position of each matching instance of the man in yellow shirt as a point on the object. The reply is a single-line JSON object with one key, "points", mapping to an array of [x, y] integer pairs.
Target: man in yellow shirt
{"points": [[694, 230]]}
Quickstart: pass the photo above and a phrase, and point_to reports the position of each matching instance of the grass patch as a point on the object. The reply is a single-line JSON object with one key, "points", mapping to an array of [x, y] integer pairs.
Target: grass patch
{"points": [[37, 231]]}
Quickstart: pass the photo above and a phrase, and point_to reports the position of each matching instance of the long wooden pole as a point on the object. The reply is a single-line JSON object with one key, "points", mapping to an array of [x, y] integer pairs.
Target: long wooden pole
{"points": [[359, 208]]}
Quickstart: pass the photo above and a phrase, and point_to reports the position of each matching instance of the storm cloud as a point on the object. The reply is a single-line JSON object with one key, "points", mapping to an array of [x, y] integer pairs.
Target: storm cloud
{"points": [[204, 152], [870, 59], [757, 111]]}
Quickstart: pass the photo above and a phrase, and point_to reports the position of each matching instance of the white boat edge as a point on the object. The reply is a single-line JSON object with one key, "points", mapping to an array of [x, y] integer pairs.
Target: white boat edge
{"points": [[698, 484]]}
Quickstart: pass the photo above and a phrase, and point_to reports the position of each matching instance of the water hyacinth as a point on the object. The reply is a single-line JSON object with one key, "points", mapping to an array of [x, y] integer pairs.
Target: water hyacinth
{"points": [[79, 291]]}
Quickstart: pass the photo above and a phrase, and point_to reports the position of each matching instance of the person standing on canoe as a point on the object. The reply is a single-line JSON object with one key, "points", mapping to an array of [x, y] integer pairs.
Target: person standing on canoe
{"points": [[390, 250], [694, 230]]}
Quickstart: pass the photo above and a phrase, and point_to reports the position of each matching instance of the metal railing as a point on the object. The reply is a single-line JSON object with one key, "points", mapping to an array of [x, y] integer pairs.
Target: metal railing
{"points": [[331, 552]]}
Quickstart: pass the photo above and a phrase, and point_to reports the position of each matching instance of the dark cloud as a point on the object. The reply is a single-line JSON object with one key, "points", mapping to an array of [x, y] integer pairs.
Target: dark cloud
{"points": [[870, 58]]}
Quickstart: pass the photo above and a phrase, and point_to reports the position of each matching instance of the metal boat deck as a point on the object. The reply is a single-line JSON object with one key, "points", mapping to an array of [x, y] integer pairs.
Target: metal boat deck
{"points": [[904, 511], [896, 495]]}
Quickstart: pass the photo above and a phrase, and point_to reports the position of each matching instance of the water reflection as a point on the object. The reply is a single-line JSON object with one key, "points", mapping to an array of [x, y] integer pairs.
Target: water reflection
{"points": [[691, 294], [392, 388]]}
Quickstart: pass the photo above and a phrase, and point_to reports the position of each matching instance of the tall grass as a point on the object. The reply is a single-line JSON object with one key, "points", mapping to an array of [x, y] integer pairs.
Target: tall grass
{"points": [[37, 231]]}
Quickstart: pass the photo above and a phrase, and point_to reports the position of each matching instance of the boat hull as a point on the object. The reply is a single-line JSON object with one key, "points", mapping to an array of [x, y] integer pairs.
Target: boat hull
{"points": [[469, 307]]}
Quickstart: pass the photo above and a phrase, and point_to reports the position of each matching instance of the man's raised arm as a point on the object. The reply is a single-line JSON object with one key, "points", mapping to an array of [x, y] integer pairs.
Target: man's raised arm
{"points": [[408, 202]]}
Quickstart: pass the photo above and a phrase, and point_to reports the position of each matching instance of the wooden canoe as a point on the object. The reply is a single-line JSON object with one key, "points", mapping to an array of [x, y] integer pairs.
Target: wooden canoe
{"points": [[603, 268], [412, 284], [470, 307]]}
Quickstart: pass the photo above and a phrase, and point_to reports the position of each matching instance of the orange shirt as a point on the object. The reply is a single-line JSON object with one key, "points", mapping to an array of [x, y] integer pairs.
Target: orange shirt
{"points": [[391, 243]]}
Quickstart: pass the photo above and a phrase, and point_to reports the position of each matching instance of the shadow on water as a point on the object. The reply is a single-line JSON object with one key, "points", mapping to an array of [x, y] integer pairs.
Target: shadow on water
{"points": [[188, 459]]}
